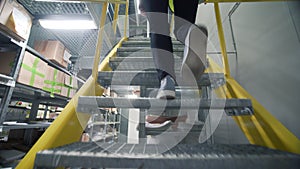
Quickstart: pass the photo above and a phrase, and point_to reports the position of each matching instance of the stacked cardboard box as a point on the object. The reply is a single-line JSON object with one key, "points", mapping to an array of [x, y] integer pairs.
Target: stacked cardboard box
{"points": [[53, 81], [70, 86], [33, 71], [36, 73], [53, 50], [66, 58], [14, 16], [7, 60]]}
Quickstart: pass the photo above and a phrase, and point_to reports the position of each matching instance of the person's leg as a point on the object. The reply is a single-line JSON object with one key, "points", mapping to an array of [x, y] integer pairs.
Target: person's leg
{"points": [[195, 40], [185, 15], [161, 44]]}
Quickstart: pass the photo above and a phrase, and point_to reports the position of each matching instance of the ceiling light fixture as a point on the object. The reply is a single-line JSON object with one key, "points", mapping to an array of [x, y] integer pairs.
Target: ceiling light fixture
{"points": [[67, 24]]}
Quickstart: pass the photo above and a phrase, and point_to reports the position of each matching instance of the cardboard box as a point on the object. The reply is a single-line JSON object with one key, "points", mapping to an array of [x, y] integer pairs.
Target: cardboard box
{"points": [[32, 71], [67, 56], [53, 82], [73, 92], [15, 17], [7, 60], [65, 61], [68, 89], [64, 64], [68, 80], [51, 49], [75, 83]]}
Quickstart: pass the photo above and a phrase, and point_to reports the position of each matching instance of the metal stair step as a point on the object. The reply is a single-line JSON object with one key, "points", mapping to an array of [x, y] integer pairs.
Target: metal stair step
{"points": [[144, 49], [145, 43], [137, 63], [121, 155], [144, 53], [142, 38], [90, 104], [149, 78]]}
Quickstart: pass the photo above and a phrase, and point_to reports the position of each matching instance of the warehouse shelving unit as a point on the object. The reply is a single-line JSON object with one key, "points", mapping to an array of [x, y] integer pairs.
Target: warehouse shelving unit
{"points": [[10, 41], [263, 131], [11, 90]]}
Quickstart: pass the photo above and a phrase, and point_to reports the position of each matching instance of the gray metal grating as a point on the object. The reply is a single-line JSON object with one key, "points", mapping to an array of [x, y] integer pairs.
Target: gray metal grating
{"points": [[103, 155], [149, 78], [46, 8], [80, 42]]}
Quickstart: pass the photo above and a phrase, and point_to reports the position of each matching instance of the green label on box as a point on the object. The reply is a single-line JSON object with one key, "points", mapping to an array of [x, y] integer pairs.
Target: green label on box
{"points": [[53, 84], [33, 70]]}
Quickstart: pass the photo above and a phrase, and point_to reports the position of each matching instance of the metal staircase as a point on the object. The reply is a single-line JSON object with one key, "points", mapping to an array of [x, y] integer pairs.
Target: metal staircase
{"points": [[133, 66]]}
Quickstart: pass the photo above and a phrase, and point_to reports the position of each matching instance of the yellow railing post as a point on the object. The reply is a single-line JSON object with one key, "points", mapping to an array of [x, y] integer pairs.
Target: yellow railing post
{"points": [[68, 127], [99, 41], [116, 14], [126, 18], [222, 40]]}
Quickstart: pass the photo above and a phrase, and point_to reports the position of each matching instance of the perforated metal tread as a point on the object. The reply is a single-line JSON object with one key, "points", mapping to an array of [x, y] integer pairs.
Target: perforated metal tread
{"points": [[118, 155], [144, 49], [149, 78], [89, 104], [142, 53], [137, 63], [145, 43]]}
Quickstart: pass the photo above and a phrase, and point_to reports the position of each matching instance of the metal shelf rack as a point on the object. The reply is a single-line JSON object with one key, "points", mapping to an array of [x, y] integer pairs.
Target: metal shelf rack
{"points": [[12, 90]]}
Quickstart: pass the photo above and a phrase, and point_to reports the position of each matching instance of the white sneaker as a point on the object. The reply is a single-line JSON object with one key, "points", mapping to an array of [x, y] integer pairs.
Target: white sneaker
{"points": [[167, 88], [158, 126]]}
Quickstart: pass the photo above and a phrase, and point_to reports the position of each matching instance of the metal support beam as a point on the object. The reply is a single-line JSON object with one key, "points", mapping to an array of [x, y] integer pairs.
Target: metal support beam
{"points": [[116, 14], [123, 136], [45, 112], [236, 5], [222, 40], [9, 89], [126, 18], [99, 41], [34, 110], [142, 128]]}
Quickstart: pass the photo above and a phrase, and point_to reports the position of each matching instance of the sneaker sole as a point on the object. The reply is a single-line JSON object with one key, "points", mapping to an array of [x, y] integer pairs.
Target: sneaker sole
{"points": [[166, 94]]}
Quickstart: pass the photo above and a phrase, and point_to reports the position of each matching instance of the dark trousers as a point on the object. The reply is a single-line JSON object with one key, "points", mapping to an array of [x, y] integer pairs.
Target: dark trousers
{"points": [[161, 44]]}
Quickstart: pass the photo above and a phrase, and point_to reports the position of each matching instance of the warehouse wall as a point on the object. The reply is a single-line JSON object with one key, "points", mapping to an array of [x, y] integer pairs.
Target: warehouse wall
{"points": [[268, 46]]}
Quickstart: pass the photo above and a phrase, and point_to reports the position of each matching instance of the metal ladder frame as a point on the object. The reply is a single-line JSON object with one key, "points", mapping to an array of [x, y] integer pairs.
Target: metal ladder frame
{"points": [[262, 128]]}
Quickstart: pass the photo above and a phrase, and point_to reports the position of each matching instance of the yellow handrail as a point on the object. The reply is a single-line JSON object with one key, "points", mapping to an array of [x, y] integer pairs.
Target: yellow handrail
{"points": [[262, 128], [99, 41], [69, 125], [116, 14], [126, 18], [222, 40]]}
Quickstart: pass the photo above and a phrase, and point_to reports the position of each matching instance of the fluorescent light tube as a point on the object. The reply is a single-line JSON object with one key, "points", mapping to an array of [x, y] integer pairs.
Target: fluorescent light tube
{"points": [[67, 24]]}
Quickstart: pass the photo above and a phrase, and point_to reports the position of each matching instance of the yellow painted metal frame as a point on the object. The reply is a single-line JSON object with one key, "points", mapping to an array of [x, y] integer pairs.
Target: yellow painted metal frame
{"points": [[69, 125], [116, 14], [262, 128], [222, 40]]}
